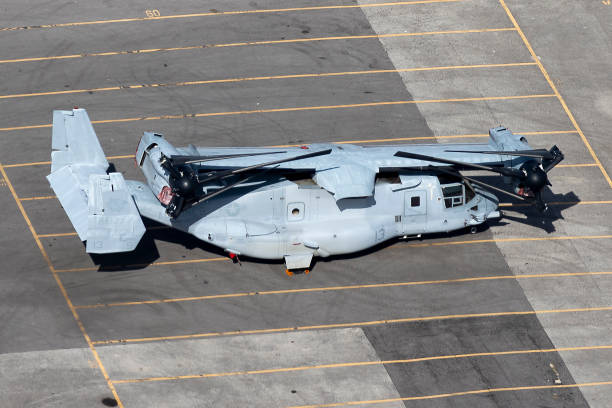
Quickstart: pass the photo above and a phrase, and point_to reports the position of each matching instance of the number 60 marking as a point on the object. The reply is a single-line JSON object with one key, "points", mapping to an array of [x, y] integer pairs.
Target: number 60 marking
{"points": [[152, 13]]}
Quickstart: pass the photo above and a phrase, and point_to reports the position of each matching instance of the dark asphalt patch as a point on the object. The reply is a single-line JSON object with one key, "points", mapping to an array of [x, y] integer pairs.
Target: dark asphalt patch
{"points": [[475, 335]]}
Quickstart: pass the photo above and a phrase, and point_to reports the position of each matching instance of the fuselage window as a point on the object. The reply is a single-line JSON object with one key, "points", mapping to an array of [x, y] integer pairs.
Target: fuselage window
{"points": [[415, 201], [454, 194]]}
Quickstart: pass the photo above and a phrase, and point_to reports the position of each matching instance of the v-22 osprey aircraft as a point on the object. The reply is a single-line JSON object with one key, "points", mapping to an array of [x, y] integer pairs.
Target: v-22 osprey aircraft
{"points": [[291, 203]]}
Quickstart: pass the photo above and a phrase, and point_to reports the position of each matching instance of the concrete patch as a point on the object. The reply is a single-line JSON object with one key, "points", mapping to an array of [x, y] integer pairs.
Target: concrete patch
{"points": [[57, 378], [257, 352]]}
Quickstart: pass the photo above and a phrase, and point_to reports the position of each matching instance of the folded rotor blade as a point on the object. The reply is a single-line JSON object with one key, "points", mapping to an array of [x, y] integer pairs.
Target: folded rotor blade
{"points": [[230, 186], [500, 170], [179, 160], [224, 189], [477, 182], [227, 173], [537, 153]]}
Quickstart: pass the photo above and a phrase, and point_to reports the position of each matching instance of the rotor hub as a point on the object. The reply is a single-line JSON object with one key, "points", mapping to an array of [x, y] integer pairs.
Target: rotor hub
{"points": [[535, 177], [184, 185]]}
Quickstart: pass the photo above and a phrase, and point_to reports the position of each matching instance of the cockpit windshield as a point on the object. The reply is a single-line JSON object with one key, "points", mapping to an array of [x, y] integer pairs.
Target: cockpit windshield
{"points": [[455, 191]]}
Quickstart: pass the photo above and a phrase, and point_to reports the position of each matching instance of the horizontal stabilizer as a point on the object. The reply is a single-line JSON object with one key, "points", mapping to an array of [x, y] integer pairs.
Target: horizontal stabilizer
{"points": [[113, 222], [66, 186]]}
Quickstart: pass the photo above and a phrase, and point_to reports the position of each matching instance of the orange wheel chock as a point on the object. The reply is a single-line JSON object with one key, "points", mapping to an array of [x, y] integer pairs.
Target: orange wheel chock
{"points": [[288, 272]]}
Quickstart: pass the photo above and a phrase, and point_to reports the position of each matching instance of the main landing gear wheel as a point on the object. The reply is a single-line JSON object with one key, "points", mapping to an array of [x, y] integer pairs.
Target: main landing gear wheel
{"points": [[291, 272]]}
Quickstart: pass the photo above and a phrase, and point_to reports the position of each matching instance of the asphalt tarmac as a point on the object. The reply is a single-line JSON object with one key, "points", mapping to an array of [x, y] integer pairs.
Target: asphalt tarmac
{"points": [[516, 315]]}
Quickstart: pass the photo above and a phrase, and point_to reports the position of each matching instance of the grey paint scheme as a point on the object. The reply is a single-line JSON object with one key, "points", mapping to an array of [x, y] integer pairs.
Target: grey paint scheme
{"points": [[343, 209], [98, 204]]}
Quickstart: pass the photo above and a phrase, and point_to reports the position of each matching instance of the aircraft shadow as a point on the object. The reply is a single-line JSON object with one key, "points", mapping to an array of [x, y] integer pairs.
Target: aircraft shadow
{"points": [[523, 213], [146, 252]]}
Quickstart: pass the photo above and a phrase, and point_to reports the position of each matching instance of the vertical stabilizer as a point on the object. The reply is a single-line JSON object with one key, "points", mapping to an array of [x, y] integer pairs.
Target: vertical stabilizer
{"points": [[98, 205], [74, 141]]}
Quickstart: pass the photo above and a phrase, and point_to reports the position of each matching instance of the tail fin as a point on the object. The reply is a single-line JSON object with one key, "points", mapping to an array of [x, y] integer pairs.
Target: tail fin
{"points": [[99, 205]]}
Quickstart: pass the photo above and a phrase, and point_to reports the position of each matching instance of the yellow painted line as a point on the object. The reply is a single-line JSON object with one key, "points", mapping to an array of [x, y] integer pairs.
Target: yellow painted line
{"points": [[73, 234], [355, 324], [181, 262], [45, 256], [269, 77], [48, 163], [297, 109], [65, 234], [223, 13], [396, 139], [415, 245], [578, 165], [556, 92], [248, 43], [49, 197], [557, 203], [37, 198], [508, 240], [457, 394], [363, 363], [60, 234], [340, 288]]}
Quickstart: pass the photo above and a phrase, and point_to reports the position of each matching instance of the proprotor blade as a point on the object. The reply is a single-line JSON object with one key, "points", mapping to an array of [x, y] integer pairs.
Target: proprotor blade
{"points": [[227, 173], [499, 170], [180, 160], [537, 153], [486, 186]]}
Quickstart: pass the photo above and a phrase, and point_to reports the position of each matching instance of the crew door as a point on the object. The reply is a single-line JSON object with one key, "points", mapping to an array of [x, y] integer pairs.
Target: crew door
{"points": [[414, 219]]}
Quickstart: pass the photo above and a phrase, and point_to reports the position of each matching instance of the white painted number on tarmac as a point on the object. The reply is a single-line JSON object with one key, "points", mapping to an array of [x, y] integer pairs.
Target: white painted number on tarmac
{"points": [[152, 13]]}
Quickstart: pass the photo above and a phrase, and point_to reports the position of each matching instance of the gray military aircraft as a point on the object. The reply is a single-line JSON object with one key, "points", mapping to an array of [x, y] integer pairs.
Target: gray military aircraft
{"points": [[288, 203]]}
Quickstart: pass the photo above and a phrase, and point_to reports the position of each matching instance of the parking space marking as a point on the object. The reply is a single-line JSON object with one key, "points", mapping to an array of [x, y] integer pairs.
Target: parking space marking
{"points": [[556, 92], [413, 245], [61, 287], [577, 165], [298, 109], [248, 43], [223, 13], [396, 139], [353, 324], [458, 394], [161, 263], [343, 288], [50, 197], [364, 363], [558, 203], [269, 77], [56, 235], [48, 163]]}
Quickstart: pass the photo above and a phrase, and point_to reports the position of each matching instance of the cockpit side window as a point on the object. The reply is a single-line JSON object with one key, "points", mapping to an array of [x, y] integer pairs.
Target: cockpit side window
{"points": [[454, 194], [455, 191]]}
